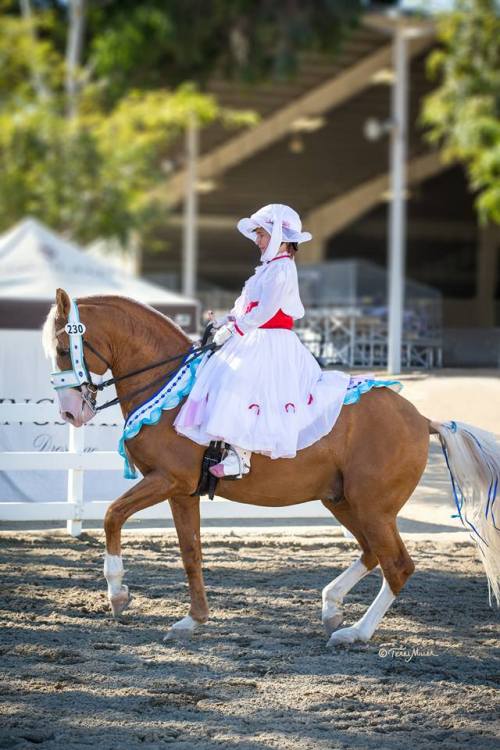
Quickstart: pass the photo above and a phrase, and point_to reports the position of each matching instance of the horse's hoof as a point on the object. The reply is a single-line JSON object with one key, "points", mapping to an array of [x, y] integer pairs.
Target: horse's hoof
{"points": [[178, 634], [345, 636], [332, 623], [183, 629], [120, 602]]}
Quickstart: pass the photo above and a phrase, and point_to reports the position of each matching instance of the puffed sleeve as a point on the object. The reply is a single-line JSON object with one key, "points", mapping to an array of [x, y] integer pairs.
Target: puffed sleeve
{"points": [[239, 305], [272, 298]]}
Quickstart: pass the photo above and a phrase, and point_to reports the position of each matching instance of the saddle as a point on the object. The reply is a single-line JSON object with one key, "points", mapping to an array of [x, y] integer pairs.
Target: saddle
{"points": [[207, 483]]}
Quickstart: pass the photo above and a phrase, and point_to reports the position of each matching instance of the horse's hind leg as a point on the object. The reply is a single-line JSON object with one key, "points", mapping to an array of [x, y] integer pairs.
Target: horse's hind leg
{"points": [[149, 491], [186, 514], [397, 566], [333, 593]]}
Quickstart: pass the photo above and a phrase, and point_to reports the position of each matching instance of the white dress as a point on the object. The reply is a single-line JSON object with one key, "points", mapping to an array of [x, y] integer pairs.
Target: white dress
{"points": [[263, 390]]}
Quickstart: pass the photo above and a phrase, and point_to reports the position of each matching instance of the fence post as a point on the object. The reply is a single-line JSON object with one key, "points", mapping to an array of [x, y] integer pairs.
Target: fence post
{"points": [[75, 481]]}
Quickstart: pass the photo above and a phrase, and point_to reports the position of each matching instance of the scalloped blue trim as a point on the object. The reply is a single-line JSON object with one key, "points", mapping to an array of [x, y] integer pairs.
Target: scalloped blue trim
{"points": [[170, 400], [354, 393]]}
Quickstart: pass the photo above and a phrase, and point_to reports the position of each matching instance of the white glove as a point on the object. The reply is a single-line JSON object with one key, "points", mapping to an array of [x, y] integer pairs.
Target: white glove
{"points": [[219, 322], [223, 334]]}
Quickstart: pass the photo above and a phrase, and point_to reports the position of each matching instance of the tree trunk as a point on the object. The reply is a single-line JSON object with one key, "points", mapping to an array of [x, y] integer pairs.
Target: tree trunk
{"points": [[77, 10], [37, 79]]}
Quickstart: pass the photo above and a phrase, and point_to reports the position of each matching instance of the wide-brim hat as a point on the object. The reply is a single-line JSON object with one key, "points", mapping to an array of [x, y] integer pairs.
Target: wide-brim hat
{"points": [[269, 218]]}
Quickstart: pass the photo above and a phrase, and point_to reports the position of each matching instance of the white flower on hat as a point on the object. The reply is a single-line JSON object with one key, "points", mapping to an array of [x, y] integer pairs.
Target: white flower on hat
{"points": [[282, 223]]}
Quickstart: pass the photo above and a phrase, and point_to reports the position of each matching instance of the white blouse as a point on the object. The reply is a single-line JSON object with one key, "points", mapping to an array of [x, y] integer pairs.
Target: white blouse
{"points": [[275, 287]]}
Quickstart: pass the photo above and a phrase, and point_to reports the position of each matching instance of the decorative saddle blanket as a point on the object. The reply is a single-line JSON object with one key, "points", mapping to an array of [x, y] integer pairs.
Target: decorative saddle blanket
{"points": [[180, 385]]}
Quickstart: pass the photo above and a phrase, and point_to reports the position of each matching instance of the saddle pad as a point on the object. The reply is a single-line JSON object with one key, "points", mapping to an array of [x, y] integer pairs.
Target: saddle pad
{"points": [[360, 384]]}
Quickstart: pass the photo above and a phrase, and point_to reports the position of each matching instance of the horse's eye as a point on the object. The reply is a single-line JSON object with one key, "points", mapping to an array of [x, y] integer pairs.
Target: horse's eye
{"points": [[62, 352]]}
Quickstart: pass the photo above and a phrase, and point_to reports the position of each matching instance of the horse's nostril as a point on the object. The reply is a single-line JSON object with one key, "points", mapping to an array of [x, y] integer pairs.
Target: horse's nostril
{"points": [[68, 416]]}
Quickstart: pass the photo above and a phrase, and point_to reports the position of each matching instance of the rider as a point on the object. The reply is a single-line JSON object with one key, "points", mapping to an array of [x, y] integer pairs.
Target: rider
{"points": [[263, 391]]}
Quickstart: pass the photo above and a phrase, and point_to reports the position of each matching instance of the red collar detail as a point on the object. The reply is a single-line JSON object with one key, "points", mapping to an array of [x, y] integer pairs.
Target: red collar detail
{"points": [[279, 257]]}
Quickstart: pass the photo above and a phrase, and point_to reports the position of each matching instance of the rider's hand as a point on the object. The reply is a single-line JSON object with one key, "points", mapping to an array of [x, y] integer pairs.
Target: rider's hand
{"points": [[223, 334], [216, 322]]}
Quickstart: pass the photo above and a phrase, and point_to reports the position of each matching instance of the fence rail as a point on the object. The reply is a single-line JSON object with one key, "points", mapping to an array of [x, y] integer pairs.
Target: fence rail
{"points": [[75, 461]]}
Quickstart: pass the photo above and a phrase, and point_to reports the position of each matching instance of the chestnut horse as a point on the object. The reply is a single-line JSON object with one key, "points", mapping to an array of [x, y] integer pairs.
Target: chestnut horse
{"points": [[363, 471]]}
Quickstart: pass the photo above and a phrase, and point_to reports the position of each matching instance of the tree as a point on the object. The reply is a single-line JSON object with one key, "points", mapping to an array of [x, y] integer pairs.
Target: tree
{"points": [[67, 157], [463, 112], [93, 94]]}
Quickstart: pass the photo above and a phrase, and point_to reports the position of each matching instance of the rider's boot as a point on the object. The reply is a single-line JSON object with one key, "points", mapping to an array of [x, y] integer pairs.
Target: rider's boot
{"points": [[234, 465]]}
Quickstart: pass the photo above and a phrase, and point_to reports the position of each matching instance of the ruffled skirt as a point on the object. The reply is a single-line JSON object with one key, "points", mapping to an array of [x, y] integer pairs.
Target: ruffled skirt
{"points": [[264, 392]]}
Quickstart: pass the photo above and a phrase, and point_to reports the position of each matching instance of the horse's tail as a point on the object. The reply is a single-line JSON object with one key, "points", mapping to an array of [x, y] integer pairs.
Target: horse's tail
{"points": [[473, 459]]}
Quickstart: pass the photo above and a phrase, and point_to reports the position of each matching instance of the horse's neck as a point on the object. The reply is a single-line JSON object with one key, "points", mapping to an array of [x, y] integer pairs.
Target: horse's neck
{"points": [[142, 338]]}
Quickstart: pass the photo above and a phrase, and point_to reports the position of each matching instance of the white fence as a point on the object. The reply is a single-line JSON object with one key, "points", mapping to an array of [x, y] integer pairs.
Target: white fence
{"points": [[75, 461]]}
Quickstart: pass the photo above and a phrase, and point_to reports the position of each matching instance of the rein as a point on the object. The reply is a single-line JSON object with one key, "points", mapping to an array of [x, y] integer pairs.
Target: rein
{"points": [[187, 358]]}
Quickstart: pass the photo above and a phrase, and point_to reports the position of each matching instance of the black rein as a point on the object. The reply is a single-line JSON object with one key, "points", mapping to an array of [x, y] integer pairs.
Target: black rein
{"points": [[186, 358]]}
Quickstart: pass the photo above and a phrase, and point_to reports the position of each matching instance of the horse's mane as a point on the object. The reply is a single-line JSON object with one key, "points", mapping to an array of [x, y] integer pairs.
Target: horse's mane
{"points": [[49, 342], [141, 318]]}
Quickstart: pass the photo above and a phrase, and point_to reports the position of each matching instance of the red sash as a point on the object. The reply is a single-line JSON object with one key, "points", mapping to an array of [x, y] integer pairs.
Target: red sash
{"points": [[280, 320]]}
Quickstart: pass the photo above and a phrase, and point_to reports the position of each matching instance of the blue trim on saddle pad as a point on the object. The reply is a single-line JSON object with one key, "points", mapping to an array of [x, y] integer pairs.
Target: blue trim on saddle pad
{"points": [[356, 389], [149, 412]]}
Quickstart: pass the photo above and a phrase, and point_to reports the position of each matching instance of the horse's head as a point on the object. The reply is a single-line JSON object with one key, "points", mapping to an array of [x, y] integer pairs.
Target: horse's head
{"points": [[78, 346]]}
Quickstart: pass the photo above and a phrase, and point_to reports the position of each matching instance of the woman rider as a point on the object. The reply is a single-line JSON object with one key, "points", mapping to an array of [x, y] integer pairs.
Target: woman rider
{"points": [[263, 390]]}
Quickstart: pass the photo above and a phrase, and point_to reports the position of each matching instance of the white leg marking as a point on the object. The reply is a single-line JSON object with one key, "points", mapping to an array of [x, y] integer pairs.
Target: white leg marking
{"points": [[364, 628], [117, 591], [333, 594], [113, 572]]}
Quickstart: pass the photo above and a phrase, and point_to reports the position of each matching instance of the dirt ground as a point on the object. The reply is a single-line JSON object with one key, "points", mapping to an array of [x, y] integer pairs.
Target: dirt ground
{"points": [[258, 676]]}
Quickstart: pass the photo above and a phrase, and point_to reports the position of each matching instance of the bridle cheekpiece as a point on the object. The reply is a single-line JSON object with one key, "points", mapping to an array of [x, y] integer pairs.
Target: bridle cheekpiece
{"points": [[79, 374]]}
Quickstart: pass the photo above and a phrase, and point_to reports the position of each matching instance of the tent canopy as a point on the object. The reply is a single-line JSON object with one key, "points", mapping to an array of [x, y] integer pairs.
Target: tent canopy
{"points": [[34, 262]]}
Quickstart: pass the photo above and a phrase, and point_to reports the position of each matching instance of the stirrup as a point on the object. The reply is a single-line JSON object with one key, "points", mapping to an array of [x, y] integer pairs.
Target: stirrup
{"points": [[234, 465]]}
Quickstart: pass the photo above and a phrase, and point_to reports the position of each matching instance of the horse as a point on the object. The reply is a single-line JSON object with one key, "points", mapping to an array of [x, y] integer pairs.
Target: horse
{"points": [[363, 471]]}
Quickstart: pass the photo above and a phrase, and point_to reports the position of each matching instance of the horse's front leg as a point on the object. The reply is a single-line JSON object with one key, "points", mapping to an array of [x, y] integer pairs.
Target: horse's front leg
{"points": [[186, 515], [149, 491]]}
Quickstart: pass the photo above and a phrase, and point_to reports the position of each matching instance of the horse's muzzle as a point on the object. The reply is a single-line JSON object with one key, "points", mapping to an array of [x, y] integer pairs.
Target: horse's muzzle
{"points": [[74, 407]]}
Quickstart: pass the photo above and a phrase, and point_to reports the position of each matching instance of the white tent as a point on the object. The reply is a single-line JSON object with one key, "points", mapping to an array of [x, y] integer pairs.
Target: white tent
{"points": [[33, 263]]}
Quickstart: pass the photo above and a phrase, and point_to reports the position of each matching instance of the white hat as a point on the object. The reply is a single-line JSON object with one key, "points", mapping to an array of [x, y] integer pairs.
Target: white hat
{"points": [[282, 223]]}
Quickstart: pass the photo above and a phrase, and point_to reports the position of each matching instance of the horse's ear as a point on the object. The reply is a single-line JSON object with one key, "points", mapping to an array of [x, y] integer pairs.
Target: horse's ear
{"points": [[63, 303]]}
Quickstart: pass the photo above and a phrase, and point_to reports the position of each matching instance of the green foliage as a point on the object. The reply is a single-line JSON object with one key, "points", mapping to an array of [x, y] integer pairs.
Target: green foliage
{"points": [[463, 112], [89, 176], [94, 174], [145, 43]]}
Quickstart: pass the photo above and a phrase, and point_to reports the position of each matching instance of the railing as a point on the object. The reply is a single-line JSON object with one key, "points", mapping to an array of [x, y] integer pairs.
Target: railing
{"points": [[75, 461], [356, 338]]}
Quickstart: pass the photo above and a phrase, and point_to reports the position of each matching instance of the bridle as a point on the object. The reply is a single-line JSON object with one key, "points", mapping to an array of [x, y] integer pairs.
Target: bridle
{"points": [[80, 378]]}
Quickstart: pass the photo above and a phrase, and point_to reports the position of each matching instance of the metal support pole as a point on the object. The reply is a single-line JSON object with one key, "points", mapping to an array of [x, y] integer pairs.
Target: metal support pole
{"points": [[75, 481], [189, 259], [397, 209]]}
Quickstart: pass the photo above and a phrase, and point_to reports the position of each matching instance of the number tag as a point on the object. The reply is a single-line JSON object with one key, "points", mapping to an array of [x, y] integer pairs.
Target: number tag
{"points": [[72, 328]]}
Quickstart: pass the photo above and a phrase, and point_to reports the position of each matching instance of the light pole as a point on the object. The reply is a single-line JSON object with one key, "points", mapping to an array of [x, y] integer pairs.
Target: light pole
{"points": [[402, 28], [397, 207], [190, 239]]}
